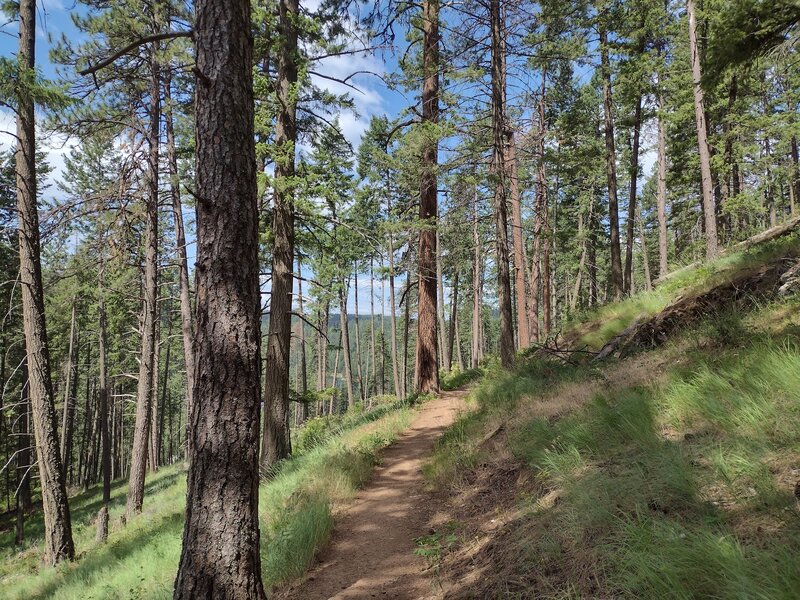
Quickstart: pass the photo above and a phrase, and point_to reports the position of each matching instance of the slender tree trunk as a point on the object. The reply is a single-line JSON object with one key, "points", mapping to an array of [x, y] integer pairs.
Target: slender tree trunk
{"points": [[427, 360], [105, 462], [220, 556], [541, 215], [661, 196], [709, 211], [345, 328], [58, 545], [398, 389], [23, 459], [276, 440], [507, 346], [445, 349], [303, 387], [611, 168], [406, 326], [795, 183], [520, 258], [592, 256], [632, 199], [152, 447], [362, 389], [187, 328], [374, 368], [70, 390], [477, 287], [453, 313], [144, 392]]}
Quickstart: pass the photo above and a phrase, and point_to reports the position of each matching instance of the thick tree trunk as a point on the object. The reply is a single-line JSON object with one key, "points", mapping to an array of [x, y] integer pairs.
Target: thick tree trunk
{"points": [[276, 443], [507, 346], [611, 168], [520, 256], [427, 362], [706, 185], [144, 391], [632, 196], [70, 391], [187, 328], [220, 556], [58, 544]]}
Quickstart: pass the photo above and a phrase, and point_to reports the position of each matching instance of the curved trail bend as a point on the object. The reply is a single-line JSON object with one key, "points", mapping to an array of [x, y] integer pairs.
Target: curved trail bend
{"points": [[371, 553]]}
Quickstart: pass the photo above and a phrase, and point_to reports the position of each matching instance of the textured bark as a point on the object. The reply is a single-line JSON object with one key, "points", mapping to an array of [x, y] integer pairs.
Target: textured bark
{"points": [[152, 446], [105, 461], [507, 347], [70, 392], [794, 185], [427, 363], [520, 258], [541, 215], [147, 321], [187, 328], [276, 443], [362, 390], [303, 387], [706, 185], [661, 197], [611, 168], [632, 196], [58, 544], [23, 458], [374, 364], [220, 556], [444, 348]]}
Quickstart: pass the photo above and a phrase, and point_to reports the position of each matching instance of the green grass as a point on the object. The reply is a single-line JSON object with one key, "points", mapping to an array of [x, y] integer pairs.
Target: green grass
{"points": [[140, 560], [679, 489], [593, 328]]}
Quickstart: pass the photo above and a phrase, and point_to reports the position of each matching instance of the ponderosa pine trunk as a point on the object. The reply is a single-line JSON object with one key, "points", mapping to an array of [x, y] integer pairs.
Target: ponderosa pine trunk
{"points": [[611, 168], [507, 346], [187, 328], [23, 458], [427, 359], [70, 391], [520, 256], [451, 335], [58, 544], [477, 276], [398, 389], [706, 184], [362, 390], [303, 387], [276, 443], [444, 347], [105, 460], [345, 329], [220, 556], [632, 195], [147, 321], [661, 196], [795, 182]]}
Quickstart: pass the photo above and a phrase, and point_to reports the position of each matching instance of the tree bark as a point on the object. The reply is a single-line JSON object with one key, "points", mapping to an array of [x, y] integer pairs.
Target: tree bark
{"points": [[187, 328], [23, 459], [144, 391], [444, 347], [632, 196], [795, 183], [362, 390], [58, 544], [220, 556], [520, 258], [70, 391], [276, 440], [345, 329], [453, 314], [393, 313], [507, 346], [477, 287], [427, 360], [661, 195], [611, 168], [709, 210], [105, 462]]}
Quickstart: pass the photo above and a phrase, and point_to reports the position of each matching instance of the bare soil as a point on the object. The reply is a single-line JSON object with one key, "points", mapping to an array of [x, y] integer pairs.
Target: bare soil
{"points": [[371, 554]]}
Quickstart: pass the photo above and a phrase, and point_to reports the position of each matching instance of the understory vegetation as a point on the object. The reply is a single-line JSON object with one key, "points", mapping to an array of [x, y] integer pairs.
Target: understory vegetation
{"points": [[670, 474], [297, 502]]}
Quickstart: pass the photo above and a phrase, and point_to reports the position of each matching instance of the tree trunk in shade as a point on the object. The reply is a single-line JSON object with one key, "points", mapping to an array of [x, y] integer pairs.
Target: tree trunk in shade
{"points": [[58, 544], [220, 556]]}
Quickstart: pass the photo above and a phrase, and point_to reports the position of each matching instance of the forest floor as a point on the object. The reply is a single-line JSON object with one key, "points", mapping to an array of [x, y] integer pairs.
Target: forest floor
{"points": [[372, 553]]}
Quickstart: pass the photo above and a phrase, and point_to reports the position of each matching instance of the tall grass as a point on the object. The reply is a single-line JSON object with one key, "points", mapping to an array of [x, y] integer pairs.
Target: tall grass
{"points": [[140, 560]]}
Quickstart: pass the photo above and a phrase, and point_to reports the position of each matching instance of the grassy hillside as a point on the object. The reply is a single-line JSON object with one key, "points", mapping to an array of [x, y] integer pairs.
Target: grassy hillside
{"points": [[140, 559], [674, 473]]}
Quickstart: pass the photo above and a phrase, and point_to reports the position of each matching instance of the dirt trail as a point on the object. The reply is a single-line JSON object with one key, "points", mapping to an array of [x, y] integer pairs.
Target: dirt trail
{"points": [[371, 554]]}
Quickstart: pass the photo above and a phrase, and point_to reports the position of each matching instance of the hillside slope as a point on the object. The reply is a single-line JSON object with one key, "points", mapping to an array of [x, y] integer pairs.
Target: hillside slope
{"points": [[671, 473]]}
